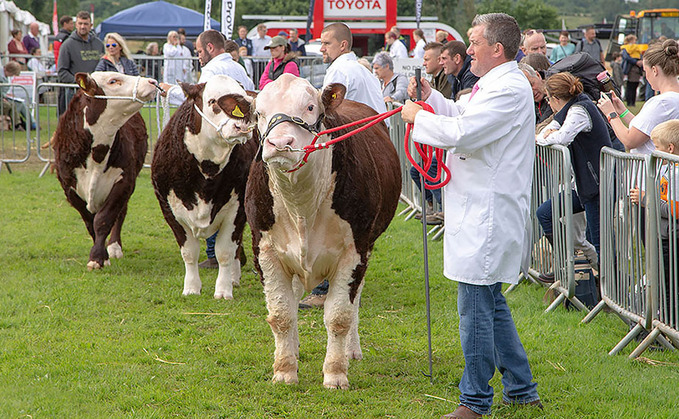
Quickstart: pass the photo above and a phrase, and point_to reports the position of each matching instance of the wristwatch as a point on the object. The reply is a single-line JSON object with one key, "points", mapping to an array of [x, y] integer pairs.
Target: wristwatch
{"points": [[611, 116]]}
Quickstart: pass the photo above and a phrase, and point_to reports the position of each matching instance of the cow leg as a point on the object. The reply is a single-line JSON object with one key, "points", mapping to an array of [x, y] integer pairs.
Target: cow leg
{"points": [[226, 251], [81, 206], [353, 348], [115, 244], [282, 307], [190, 250]]}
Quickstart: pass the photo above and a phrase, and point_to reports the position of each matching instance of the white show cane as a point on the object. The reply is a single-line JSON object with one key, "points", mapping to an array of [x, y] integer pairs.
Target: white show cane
{"points": [[418, 77]]}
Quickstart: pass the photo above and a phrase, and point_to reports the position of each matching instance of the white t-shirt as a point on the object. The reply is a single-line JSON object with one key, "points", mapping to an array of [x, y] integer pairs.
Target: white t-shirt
{"points": [[258, 45], [656, 110], [398, 50]]}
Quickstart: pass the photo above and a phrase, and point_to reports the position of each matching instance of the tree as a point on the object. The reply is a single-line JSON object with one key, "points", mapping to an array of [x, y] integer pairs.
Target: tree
{"points": [[528, 13]]}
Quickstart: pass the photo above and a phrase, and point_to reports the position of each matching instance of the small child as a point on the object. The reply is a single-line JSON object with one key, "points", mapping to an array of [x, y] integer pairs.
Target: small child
{"points": [[616, 66], [665, 137]]}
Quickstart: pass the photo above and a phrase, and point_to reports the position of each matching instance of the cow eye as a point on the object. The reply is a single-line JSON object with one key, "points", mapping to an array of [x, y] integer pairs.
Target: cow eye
{"points": [[112, 81], [211, 102], [310, 108]]}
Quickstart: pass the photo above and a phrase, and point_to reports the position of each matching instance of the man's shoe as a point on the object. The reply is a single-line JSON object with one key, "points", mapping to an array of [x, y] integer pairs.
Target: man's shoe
{"points": [[434, 219], [462, 412], [547, 278], [312, 301], [209, 263]]}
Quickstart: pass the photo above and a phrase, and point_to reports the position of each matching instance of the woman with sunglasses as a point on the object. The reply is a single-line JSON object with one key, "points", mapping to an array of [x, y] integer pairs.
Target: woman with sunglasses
{"points": [[117, 57]]}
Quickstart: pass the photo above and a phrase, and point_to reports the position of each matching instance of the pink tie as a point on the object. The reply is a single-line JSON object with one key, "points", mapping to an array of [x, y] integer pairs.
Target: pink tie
{"points": [[474, 90]]}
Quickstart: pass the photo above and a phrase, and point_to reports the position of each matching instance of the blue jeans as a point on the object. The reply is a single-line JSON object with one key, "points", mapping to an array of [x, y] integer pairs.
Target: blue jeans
{"points": [[489, 340], [415, 176], [210, 249], [591, 208]]}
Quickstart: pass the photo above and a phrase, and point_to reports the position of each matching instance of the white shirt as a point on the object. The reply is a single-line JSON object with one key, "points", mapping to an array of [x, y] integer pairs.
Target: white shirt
{"points": [[362, 86], [577, 120], [398, 50], [656, 110], [221, 64], [418, 52], [258, 45], [490, 141]]}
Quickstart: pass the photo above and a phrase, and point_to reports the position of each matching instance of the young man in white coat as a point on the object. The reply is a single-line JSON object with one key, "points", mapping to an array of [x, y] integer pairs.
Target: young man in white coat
{"points": [[489, 138]]}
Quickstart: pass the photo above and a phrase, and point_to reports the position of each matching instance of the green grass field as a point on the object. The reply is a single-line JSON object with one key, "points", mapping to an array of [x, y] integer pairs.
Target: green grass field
{"points": [[124, 342]]}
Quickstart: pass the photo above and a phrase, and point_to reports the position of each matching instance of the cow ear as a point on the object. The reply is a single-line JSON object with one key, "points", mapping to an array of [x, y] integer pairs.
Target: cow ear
{"points": [[191, 91], [236, 106], [86, 83], [332, 96]]}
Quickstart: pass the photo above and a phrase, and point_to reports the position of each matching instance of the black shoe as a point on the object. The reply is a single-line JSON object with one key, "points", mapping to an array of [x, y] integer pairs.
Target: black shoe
{"points": [[209, 263]]}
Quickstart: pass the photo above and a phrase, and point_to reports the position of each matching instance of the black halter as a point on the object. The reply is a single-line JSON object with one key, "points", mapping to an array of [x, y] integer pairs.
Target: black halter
{"points": [[279, 118]]}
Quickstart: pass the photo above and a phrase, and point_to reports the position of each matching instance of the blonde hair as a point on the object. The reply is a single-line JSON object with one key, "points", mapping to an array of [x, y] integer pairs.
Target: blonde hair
{"points": [[118, 38], [667, 133], [171, 35], [664, 56], [564, 86]]}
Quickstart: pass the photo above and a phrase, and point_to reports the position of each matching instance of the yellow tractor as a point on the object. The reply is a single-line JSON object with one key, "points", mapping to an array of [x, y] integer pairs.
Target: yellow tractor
{"points": [[646, 25]]}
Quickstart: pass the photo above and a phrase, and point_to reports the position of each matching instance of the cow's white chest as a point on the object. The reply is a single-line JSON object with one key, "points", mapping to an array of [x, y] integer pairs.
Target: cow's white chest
{"points": [[94, 183], [207, 149], [197, 219]]}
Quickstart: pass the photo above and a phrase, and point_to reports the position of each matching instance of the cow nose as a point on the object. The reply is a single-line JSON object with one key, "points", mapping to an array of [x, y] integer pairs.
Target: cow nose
{"points": [[280, 142]]}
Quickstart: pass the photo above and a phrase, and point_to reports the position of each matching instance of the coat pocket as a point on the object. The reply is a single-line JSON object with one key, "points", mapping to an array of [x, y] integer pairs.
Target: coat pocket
{"points": [[455, 212]]}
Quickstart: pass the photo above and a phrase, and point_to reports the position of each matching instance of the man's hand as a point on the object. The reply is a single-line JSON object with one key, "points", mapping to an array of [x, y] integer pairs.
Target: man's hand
{"points": [[166, 88], [409, 111], [636, 196], [412, 88]]}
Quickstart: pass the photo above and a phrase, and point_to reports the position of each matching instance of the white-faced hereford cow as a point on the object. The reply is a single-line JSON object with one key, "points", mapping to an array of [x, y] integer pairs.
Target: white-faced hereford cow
{"points": [[321, 221], [199, 172], [99, 148]]}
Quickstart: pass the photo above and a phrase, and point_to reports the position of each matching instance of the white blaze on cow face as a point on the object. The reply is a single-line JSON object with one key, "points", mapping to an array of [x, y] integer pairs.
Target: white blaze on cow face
{"points": [[221, 128], [295, 97]]}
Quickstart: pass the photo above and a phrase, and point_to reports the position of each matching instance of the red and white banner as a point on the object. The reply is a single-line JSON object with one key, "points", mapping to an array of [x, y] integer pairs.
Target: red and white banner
{"points": [[355, 9]]}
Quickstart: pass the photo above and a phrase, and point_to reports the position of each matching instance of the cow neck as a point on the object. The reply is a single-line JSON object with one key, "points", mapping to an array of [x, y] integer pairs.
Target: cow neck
{"points": [[103, 132], [303, 191], [208, 150]]}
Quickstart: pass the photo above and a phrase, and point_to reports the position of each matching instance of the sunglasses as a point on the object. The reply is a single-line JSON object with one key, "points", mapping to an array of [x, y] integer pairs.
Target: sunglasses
{"points": [[111, 45]]}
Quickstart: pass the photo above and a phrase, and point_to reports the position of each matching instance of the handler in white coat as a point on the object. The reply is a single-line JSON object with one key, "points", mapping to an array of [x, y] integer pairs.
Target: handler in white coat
{"points": [[490, 142]]}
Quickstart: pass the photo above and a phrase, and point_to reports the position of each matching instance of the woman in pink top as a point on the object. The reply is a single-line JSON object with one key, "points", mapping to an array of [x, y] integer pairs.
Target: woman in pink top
{"points": [[15, 46], [282, 61]]}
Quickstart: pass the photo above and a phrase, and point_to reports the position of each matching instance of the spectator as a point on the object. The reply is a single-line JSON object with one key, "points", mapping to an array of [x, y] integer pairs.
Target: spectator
{"points": [[15, 46], [420, 42], [397, 31], [282, 61], [243, 41], [433, 67], [66, 27], [534, 42], [186, 42], [117, 57], [489, 157], [10, 106], [661, 64], [616, 67], [537, 85], [34, 64], [296, 44], [632, 66], [80, 52], [579, 125], [153, 65], [538, 61], [260, 41], [564, 49], [394, 85], [174, 66], [441, 37], [394, 47], [591, 45], [31, 40], [245, 61], [361, 85], [457, 66]]}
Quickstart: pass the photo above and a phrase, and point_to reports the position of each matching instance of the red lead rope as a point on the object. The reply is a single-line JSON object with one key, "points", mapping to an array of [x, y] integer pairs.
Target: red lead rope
{"points": [[426, 152]]}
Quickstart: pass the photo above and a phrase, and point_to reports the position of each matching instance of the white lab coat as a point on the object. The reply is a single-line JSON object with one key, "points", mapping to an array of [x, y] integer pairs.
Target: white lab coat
{"points": [[491, 147], [362, 86], [398, 50]]}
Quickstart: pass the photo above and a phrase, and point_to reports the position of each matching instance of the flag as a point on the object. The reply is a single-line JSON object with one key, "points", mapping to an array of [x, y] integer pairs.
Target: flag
{"points": [[55, 19], [228, 15], [418, 12], [208, 9]]}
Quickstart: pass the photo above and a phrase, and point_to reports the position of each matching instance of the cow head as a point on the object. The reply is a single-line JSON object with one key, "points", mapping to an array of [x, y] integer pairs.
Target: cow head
{"points": [[289, 110], [114, 97], [222, 110]]}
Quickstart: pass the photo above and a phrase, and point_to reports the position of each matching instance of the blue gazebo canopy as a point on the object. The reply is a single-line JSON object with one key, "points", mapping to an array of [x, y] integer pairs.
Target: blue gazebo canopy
{"points": [[154, 19]]}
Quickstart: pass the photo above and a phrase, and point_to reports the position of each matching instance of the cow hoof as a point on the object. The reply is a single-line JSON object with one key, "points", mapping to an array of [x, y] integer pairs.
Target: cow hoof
{"points": [[287, 378], [224, 295], [107, 262], [336, 381], [355, 354], [191, 292], [92, 265], [236, 282], [115, 251]]}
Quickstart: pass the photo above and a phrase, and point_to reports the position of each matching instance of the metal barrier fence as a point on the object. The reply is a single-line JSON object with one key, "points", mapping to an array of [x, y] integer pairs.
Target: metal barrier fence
{"points": [[15, 124], [629, 247]]}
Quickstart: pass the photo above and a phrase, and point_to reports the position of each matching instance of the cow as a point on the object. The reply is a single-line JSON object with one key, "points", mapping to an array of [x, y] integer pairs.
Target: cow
{"points": [[320, 221], [99, 149], [199, 172]]}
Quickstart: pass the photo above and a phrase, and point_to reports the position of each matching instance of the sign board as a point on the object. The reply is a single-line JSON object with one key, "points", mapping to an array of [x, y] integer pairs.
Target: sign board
{"points": [[27, 79], [407, 66], [355, 9]]}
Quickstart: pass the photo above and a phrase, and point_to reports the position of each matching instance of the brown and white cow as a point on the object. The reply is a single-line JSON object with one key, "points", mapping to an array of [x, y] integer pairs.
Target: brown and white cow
{"points": [[199, 171], [319, 222], [99, 147]]}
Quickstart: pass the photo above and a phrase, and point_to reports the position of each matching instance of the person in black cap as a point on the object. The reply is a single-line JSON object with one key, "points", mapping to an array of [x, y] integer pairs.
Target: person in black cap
{"points": [[282, 61]]}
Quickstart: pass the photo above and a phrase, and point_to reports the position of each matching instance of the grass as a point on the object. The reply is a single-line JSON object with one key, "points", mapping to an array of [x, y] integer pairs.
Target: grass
{"points": [[124, 342]]}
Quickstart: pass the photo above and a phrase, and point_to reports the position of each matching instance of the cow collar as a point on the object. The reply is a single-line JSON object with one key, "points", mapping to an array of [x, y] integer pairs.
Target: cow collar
{"points": [[133, 97], [219, 127]]}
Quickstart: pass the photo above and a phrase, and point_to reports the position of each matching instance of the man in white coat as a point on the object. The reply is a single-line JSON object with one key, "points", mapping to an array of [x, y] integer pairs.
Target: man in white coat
{"points": [[489, 138], [362, 86], [396, 47]]}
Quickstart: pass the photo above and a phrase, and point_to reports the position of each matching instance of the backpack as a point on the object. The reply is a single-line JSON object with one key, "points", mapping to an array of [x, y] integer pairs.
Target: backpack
{"points": [[586, 68]]}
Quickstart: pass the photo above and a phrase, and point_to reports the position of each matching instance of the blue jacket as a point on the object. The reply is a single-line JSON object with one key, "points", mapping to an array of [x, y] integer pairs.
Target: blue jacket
{"points": [[247, 43], [129, 67]]}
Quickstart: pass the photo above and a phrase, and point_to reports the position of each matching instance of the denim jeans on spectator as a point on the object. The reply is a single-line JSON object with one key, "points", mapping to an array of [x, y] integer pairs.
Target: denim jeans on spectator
{"points": [[489, 340], [415, 176], [210, 249], [591, 208]]}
